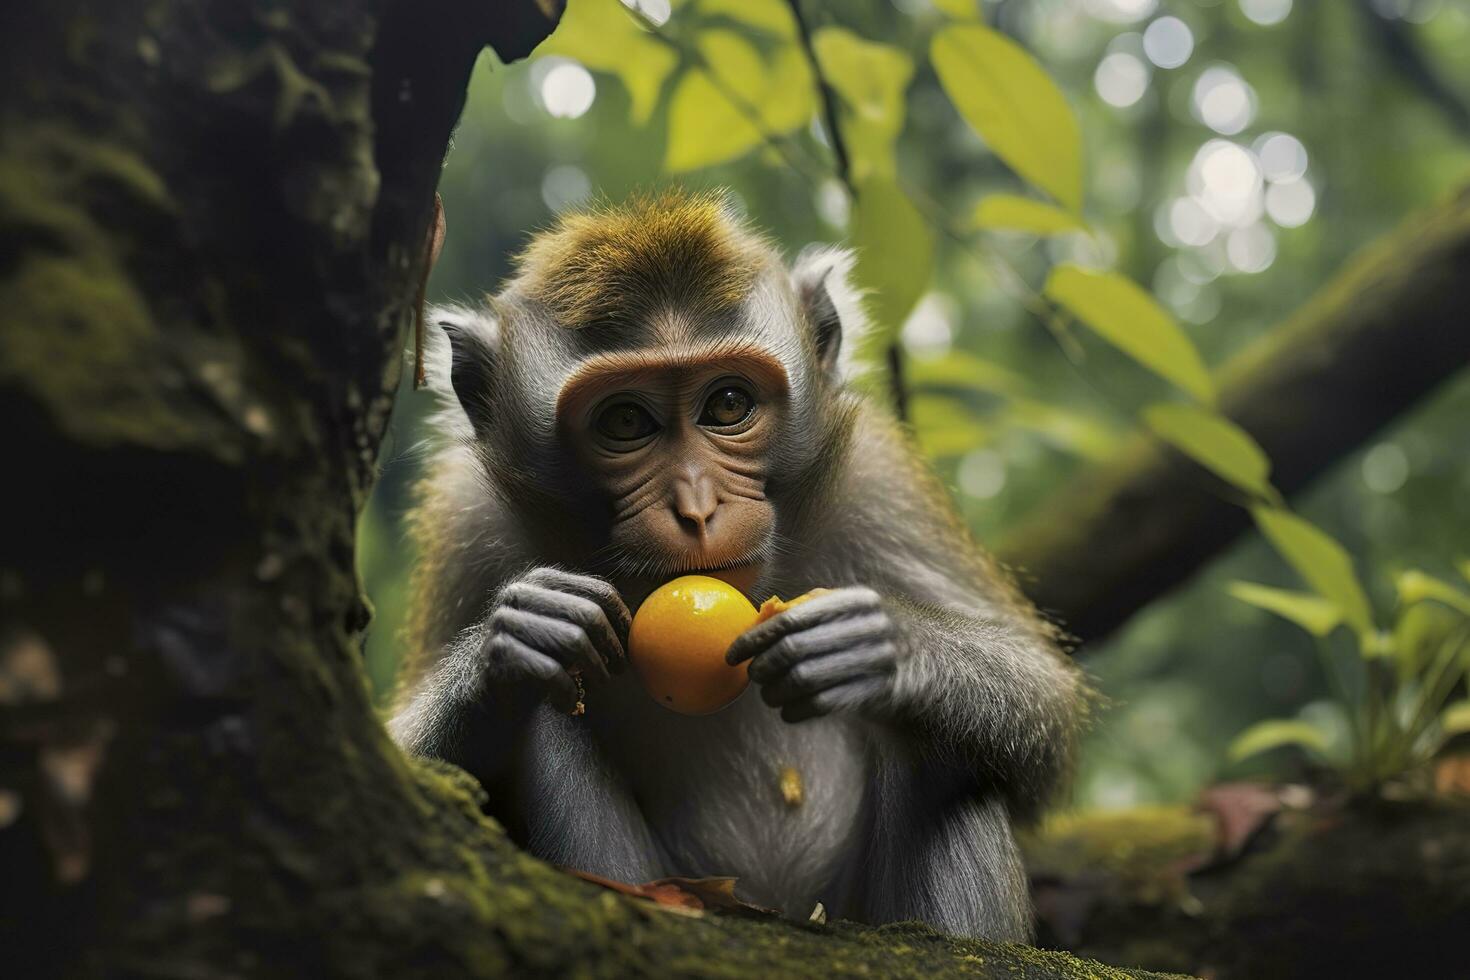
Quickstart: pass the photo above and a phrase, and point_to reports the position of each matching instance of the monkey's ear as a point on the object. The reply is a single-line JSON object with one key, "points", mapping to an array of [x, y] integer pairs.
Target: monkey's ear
{"points": [[831, 305], [462, 346]]}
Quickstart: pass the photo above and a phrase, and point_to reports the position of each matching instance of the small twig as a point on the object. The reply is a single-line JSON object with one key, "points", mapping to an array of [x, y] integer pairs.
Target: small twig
{"points": [[897, 387], [829, 101]]}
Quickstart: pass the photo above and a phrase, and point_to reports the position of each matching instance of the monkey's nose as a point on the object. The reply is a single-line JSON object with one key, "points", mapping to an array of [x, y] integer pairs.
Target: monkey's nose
{"points": [[695, 502]]}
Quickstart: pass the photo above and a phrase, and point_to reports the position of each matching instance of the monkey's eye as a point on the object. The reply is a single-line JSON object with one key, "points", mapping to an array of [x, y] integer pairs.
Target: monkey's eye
{"points": [[625, 422], [729, 405]]}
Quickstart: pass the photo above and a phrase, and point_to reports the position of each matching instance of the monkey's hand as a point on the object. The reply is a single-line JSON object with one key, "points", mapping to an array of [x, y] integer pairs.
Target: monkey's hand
{"points": [[548, 623], [836, 652]]}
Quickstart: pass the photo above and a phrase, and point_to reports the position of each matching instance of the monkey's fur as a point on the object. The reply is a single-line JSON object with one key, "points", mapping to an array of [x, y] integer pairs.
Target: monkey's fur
{"points": [[924, 704]]}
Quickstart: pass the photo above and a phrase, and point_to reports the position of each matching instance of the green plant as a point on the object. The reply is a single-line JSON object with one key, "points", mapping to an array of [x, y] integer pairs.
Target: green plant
{"points": [[1393, 689]]}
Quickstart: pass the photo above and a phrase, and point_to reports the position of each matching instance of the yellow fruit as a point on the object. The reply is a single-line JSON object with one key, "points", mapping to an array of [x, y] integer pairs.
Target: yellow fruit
{"points": [[678, 641], [775, 604]]}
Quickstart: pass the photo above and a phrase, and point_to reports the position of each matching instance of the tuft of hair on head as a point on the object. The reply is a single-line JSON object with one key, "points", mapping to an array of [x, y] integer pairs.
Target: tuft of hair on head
{"points": [[670, 248]]}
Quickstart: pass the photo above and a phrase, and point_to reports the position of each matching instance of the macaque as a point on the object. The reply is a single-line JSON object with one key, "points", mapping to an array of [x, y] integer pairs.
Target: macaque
{"points": [[654, 393]]}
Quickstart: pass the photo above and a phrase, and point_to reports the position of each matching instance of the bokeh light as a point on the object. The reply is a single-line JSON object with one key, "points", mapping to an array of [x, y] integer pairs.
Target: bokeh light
{"points": [[1266, 12], [565, 89], [929, 330], [1252, 248], [1226, 180], [1385, 468], [1168, 42], [1120, 11], [1290, 203], [832, 203], [1121, 79], [1223, 100], [657, 11], [1282, 156], [565, 185], [982, 474]]}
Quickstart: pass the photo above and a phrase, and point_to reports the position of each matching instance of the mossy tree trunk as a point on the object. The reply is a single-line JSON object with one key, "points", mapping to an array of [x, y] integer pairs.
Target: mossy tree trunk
{"points": [[212, 215]]}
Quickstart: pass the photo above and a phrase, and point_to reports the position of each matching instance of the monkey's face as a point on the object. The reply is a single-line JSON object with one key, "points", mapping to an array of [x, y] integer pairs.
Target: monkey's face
{"points": [[677, 446], [649, 382]]}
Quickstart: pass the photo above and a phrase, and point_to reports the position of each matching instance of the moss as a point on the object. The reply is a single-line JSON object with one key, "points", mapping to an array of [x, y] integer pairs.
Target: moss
{"points": [[92, 354], [1137, 844]]}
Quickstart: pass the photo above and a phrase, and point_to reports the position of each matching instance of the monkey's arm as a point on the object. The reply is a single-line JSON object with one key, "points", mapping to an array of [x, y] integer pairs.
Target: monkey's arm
{"points": [[541, 628], [985, 696], [488, 640], [977, 698]]}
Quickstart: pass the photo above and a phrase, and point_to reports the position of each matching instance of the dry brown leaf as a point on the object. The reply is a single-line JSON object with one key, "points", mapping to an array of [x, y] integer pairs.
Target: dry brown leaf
{"points": [[694, 894], [1242, 809]]}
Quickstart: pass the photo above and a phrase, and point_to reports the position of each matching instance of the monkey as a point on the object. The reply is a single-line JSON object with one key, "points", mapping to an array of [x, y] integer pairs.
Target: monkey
{"points": [[653, 392]]}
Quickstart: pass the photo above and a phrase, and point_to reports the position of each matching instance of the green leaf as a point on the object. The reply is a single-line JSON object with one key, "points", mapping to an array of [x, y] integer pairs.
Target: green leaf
{"points": [[1415, 586], [721, 116], [870, 80], [1455, 719], [1419, 629], [1117, 310], [605, 36], [1011, 212], [959, 9], [1311, 612], [1320, 561], [1266, 735], [1214, 442], [958, 369], [895, 253], [1009, 99], [1464, 567], [771, 17]]}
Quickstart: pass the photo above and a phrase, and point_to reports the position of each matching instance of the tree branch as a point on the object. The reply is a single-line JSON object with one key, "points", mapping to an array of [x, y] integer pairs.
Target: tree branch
{"points": [[1372, 342]]}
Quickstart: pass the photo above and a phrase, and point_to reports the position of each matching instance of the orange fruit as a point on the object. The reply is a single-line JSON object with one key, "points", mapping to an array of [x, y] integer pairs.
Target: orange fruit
{"points": [[775, 604], [678, 641]]}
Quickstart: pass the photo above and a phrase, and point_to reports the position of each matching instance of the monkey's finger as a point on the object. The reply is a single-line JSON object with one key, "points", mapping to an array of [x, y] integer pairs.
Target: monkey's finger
{"points": [[575, 609], [557, 638], [599, 590], [817, 674], [511, 655], [829, 637], [835, 605], [846, 698]]}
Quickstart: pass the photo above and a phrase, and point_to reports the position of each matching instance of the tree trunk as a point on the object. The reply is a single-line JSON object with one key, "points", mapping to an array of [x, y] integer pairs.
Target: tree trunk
{"points": [[212, 214], [1384, 332], [1335, 888]]}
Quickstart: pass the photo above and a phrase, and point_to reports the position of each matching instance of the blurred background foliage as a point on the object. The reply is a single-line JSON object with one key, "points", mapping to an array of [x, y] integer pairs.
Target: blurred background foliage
{"points": [[1230, 155]]}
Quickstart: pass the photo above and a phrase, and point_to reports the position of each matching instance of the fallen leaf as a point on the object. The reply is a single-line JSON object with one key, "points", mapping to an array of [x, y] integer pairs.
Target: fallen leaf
{"points": [[1452, 775], [694, 894], [1242, 809]]}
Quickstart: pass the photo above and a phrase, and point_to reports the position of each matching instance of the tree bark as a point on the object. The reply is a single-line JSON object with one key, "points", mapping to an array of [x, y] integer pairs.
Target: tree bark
{"points": [[212, 215], [1389, 328]]}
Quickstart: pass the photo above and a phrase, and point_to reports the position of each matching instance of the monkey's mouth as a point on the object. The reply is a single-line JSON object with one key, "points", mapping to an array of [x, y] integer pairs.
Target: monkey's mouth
{"points": [[743, 577]]}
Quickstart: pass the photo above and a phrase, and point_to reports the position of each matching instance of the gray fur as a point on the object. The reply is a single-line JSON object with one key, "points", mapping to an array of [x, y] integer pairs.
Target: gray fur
{"points": [[923, 704]]}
